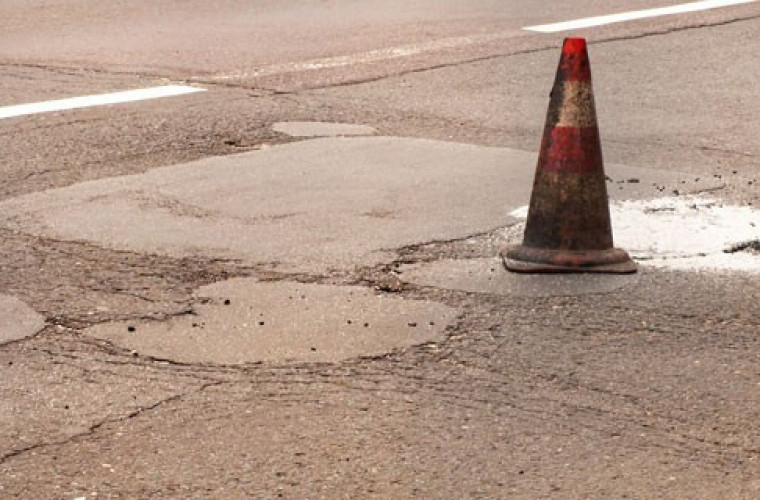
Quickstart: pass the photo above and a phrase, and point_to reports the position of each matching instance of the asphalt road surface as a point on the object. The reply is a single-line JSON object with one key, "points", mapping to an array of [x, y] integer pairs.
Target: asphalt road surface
{"points": [[285, 283]]}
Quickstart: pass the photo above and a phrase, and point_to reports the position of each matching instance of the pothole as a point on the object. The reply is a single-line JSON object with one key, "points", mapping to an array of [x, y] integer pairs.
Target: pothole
{"points": [[244, 321]]}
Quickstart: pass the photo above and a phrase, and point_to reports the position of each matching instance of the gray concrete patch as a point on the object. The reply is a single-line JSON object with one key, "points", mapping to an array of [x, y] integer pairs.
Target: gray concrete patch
{"points": [[489, 276], [321, 129], [332, 203], [17, 320], [245, 321]]}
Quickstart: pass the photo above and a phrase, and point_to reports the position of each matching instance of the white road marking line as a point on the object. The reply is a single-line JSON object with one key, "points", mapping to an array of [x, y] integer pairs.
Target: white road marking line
{"points": [[96, 100], [636, 14], [371, 56]]}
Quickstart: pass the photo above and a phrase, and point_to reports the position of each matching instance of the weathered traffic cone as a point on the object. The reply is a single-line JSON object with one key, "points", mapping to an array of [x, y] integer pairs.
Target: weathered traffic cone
{"points": [[568, 227]]}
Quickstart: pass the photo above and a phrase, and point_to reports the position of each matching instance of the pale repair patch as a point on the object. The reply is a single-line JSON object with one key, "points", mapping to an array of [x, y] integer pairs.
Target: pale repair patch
{"points": [[17, 320], [686, 233], [309, 206], [489, 276], [245, 321], [321, 129]]}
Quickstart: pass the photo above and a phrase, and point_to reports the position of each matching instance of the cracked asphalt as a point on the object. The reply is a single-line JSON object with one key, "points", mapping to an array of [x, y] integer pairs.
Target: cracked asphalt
{"points": [[644, 390]]}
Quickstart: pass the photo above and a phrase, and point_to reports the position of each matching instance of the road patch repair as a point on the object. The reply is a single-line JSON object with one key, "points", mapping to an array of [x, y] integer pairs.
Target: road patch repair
{"points": [[246, 321], [314, 206], [310, 206], [487, 275], [17, 320]]}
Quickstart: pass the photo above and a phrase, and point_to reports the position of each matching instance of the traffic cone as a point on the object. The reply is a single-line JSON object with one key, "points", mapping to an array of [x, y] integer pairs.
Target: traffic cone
{"points": [[568, 227]]}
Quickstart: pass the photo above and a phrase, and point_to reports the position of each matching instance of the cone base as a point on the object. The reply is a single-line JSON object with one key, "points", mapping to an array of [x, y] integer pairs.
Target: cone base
{"points": [[522, 259]]}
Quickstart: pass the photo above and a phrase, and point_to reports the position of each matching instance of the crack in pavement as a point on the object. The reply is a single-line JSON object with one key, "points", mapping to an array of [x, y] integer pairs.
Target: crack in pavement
{"points": [[552, 46], [122, 357], [668, 31], [97, 426], [79, 71], [503, 400]]}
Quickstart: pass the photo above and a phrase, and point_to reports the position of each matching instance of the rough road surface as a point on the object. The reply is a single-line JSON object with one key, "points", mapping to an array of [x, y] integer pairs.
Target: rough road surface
{"points": [[288, 286]]}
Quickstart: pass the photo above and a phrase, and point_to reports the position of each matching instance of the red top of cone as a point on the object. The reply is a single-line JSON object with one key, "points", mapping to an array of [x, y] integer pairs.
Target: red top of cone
{"points": [[571, 138], [574, 64]]}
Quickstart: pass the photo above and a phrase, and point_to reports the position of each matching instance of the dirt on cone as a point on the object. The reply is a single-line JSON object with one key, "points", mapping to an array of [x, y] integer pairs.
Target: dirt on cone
{"points": [[568, 226]]}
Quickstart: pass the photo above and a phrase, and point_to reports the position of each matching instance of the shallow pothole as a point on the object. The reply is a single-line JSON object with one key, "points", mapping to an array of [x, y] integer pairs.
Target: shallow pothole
{"points": [[244, 321]]}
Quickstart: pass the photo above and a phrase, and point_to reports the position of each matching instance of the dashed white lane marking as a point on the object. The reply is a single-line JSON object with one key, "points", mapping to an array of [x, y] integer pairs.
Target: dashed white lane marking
{"points": [[636, 14], [96, 100]]}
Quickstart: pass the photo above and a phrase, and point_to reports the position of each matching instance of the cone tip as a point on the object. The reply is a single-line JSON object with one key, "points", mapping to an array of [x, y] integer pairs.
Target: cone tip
{"points": [[574, 63], [574, 45]]}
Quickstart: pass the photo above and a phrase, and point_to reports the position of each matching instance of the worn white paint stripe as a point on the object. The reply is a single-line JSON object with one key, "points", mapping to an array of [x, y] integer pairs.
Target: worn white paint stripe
{"points": [[633, 15], [96, 100], [368, 57]]}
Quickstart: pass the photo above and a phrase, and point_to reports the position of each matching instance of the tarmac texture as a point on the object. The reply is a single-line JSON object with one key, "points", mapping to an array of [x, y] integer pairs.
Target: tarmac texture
{"points": [[17, 320], [288, 286], [466, 378]]}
